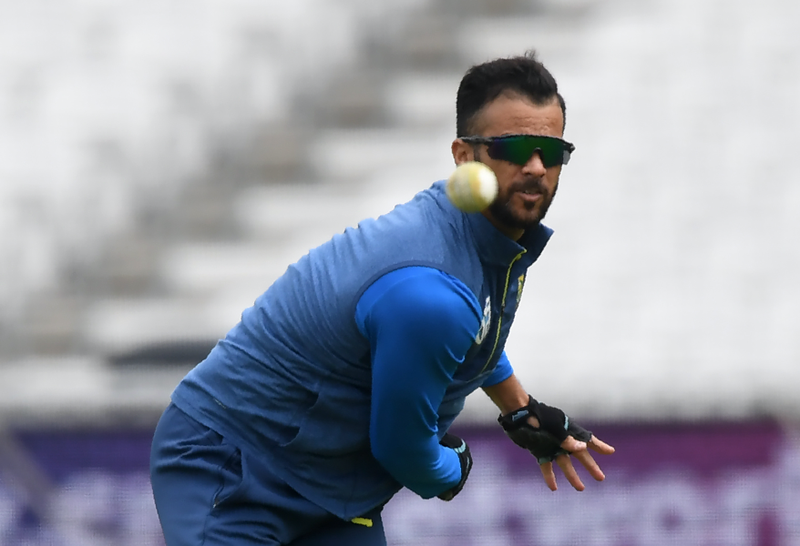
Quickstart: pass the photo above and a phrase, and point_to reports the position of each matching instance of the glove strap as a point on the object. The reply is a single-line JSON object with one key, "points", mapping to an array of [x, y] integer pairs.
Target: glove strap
{"points": [[551, 420], [519, 417]]}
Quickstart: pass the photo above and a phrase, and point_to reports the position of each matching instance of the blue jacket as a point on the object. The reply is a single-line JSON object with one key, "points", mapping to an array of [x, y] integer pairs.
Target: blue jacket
{"points": [[297, 378]]}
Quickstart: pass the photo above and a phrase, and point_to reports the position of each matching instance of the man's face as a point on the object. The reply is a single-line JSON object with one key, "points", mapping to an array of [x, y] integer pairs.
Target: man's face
{"points": [[525, 191]]}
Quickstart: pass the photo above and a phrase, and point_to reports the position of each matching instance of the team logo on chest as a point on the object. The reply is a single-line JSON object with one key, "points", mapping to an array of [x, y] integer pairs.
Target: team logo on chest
{"points": [[486, 321], [520, 284]]}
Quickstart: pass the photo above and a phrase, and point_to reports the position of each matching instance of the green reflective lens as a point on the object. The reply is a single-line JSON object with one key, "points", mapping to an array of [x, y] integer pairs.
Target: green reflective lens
{"points": [[519, 149]]}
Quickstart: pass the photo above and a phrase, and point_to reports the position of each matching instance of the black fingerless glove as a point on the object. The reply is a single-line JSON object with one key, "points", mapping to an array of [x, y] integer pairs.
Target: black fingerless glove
{"points": [[543, 442], [464, 457]]}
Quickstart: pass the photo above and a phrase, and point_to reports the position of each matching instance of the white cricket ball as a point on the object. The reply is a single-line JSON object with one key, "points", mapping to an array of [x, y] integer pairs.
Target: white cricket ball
{"points": [[472, 187]]}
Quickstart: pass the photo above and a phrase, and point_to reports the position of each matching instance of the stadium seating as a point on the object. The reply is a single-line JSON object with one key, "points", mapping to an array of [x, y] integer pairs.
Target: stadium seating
{"points": [[163, 164]]}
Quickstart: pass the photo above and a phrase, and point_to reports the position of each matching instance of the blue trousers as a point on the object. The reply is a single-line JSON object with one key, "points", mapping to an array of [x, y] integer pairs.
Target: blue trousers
{"points": [[209, 492]]}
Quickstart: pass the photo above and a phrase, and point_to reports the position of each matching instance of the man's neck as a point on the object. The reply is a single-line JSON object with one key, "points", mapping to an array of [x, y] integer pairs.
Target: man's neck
{"points": [[515, 234]]}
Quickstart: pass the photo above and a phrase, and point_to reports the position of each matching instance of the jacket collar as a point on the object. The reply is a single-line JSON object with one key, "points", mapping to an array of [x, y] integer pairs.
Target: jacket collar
{"points": [[496, 248]]}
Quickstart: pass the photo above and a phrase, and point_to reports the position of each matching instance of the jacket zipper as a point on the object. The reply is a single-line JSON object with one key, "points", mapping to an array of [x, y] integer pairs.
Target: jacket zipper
{"points": [[502, 309]]}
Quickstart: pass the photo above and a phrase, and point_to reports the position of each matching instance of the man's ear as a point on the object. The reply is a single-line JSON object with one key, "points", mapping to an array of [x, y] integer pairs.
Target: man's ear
{"points": [[462, 151]]}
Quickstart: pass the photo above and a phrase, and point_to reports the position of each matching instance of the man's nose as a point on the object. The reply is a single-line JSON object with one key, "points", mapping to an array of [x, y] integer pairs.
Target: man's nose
{"points": [[535, 166]]}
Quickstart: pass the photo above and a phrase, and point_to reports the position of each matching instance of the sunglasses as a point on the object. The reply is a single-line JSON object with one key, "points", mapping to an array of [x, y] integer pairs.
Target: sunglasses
{"points": [[519, 149]]}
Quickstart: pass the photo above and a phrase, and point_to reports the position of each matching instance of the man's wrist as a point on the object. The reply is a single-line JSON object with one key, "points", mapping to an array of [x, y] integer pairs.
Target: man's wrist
{"points": [[508, 395]]}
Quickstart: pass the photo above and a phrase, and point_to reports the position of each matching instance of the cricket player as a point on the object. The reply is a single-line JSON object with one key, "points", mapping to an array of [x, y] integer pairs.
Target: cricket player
{"points": [[338, 386]]}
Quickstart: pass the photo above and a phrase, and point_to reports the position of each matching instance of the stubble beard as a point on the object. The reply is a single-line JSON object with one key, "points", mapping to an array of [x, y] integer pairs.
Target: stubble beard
{"points": [[502, 211]]}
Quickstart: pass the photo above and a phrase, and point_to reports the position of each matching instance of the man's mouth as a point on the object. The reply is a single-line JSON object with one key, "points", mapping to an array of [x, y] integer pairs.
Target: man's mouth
{"points": [[530, 196]]}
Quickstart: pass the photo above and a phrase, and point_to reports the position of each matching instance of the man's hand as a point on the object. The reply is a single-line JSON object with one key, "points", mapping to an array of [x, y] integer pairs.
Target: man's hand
{"points": [[576, 449], [550, 436], [464, 458]]}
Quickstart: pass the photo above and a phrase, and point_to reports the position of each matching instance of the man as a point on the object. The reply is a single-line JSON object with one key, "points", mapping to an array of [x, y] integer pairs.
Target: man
{"points": [[338, 386]]}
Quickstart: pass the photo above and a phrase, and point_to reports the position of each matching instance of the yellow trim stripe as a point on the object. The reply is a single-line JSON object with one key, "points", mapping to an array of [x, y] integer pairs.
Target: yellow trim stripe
{"points": [[502, 308], [366, 522]]}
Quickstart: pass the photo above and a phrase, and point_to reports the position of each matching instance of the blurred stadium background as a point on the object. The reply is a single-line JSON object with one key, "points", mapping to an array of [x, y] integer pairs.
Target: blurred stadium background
{"points": [[161, 162]]}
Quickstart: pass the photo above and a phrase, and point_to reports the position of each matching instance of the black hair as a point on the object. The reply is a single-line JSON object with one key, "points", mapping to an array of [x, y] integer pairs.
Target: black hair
{"points": [[482, 83]]}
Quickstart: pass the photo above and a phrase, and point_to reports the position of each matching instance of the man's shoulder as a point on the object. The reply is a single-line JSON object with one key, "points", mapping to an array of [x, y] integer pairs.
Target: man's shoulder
{"points": [[427, 297], [424, 223]]}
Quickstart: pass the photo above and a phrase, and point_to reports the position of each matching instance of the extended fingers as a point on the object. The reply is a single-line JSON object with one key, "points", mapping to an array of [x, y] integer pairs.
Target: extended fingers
{"points": [[588, 462], [572, 444], [579, 450], [600, 446], [565, 464], [549, 475]]}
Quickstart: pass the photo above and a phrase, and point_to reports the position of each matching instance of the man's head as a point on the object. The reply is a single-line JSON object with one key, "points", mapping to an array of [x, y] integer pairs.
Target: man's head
{"points": [[513, 96]]}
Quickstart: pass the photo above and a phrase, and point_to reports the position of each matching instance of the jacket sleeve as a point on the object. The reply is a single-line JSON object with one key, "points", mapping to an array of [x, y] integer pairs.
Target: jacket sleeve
{"points": [[420, 323], [502, 372]]}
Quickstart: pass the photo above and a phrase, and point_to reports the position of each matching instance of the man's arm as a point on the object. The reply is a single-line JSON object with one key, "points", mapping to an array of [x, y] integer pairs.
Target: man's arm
{"points": [[420, 323], [510, 396]]}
